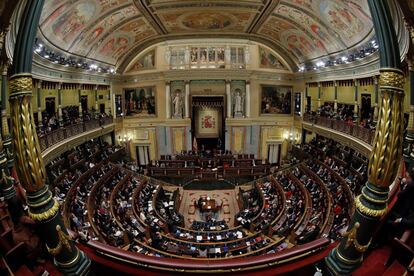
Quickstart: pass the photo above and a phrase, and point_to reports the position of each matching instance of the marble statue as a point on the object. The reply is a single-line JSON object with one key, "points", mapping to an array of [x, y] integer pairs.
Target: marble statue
{"points": [[238, 104], [177, 103]]}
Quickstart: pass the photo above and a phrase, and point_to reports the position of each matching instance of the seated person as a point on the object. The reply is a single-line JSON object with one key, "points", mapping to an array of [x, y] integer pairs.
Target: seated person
{"points": [[309, 235]]}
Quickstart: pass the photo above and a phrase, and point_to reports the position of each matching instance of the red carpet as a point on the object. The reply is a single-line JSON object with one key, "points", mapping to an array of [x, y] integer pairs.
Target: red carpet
{"points": [[395, 269], [373, 265]]}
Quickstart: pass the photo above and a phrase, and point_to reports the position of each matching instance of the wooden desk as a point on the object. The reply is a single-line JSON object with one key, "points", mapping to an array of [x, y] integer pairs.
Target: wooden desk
{"points": [[209, 205]]}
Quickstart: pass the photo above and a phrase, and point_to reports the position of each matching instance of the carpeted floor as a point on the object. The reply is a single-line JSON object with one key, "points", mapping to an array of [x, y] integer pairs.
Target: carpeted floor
{"points": [[374, 263], [227, 212], [208, 185]]}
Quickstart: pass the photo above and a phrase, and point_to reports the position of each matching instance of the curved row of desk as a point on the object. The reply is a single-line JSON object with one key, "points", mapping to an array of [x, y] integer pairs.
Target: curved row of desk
{"points": [[117, 213]]}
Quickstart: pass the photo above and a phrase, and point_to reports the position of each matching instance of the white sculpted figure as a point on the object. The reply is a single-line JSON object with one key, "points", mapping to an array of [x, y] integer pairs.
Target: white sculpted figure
{"points": [[238, 104], [177, 104]]}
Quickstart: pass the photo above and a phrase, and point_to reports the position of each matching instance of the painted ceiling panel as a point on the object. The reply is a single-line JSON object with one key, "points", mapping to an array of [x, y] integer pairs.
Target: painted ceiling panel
{"points": [[206, 21], [121, 40], [110, 30]]}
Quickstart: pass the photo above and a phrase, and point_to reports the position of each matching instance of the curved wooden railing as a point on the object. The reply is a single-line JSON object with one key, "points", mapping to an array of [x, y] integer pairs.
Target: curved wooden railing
{"points": [[91, 202], [168, 265], [278, 186], [345, 188], [329, 214], [49, 139], [299, 228], [361, 133]]}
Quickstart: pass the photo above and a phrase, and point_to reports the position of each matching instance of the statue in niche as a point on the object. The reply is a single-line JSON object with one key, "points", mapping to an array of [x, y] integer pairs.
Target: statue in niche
{"points": [[238, 103], [177, 104]]}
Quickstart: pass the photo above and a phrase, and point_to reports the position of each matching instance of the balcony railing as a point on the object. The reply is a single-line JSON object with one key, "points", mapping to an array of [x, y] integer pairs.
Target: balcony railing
{"points": [[49, 139], [361, 133]]}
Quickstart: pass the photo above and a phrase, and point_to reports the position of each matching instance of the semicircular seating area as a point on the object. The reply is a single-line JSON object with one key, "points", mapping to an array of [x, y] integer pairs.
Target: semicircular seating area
{"points": [[108, 203]]}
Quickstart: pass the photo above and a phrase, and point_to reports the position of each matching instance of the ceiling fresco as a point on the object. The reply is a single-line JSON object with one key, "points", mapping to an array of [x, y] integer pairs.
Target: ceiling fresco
{"points": [[114, 31]]}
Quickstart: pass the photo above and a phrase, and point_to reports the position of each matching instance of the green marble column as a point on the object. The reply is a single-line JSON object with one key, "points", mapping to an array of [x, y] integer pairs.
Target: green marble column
{"points": [[7, 188], [43, 208], [386, 153]]}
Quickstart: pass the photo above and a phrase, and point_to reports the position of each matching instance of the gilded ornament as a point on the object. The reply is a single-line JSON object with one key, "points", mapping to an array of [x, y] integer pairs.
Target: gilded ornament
{"points": [[47, 214], [387, 148], [351, 239], [368, 211], [29, 161], [20, 83], [392, 78], [63, 241]]}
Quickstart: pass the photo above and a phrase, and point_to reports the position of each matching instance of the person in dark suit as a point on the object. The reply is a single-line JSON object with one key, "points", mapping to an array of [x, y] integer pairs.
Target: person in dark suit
{"points": [[401, 217]]}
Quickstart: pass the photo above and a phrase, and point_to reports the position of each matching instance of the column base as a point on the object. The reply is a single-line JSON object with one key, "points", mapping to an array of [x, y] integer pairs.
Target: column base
{"points": [[339, 265], [79, 266]]}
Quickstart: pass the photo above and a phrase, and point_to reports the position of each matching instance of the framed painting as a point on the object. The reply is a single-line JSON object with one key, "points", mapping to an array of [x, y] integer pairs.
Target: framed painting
{"points": [[276, 99], [140, 101]]}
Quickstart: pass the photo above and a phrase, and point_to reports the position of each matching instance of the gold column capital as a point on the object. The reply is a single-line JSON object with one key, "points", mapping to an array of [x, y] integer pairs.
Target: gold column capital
{"points": [[392, 78], [20, 83]]}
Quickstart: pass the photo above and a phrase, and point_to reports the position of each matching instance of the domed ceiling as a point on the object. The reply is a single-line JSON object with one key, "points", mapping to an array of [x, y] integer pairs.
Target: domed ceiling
{"points": [[115, 31]]}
